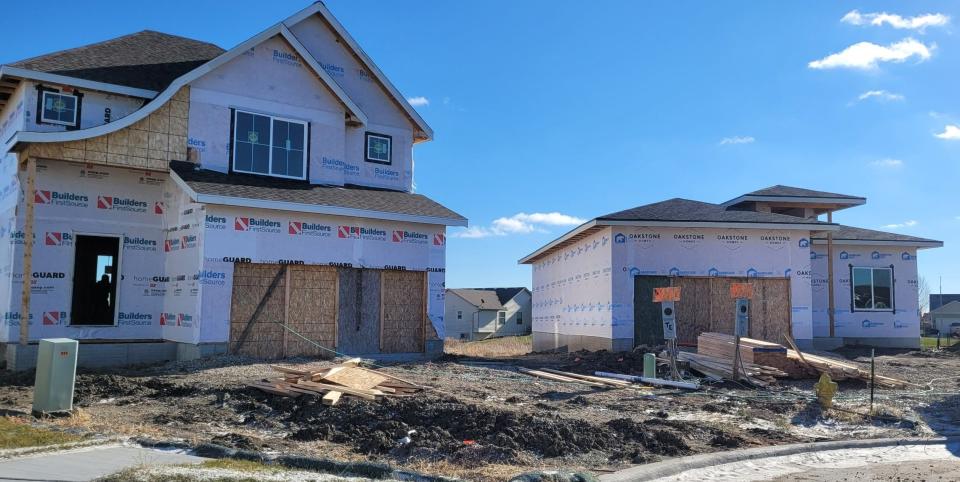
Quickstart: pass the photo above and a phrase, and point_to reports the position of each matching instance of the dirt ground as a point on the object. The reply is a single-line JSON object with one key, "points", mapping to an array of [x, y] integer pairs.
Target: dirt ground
{"points": [[485, 421]]}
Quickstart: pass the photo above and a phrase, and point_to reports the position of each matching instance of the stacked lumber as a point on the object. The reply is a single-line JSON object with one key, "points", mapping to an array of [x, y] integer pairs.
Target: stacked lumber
{"points": [[347, 378], [568, 377], [757, 375], [839, 370], [758, 352]]}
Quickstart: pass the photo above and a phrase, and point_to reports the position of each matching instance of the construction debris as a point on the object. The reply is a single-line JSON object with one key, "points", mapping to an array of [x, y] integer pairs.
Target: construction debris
{"points": [[839, 370], [757, 352], [347, 378], [651, 381], [716, 367]]}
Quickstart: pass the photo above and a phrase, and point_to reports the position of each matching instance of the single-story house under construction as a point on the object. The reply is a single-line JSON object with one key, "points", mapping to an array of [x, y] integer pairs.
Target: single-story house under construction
{"points": [[826, 283], [164, 198]]}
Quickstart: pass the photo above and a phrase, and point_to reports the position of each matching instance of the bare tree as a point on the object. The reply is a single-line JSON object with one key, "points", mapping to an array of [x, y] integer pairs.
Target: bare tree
{"points": [[923, 291]]}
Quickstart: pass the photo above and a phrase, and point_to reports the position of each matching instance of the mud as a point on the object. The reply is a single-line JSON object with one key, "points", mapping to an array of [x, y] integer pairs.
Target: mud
{"points": [[630, 363]]}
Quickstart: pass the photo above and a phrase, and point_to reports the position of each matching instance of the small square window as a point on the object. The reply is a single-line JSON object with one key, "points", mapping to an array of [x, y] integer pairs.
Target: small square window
{"points": [[379, 148], [59, 109]]}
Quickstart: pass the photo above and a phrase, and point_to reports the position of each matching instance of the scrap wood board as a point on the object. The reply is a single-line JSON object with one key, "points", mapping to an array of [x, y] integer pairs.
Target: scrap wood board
{"points": [[347, 378]]}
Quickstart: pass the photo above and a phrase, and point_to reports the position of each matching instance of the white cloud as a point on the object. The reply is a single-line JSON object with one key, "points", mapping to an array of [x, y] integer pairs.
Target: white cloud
{"points": [[520, 223], [918, 23], [881, 95], [866, 55], [950, 132], [737, 140], [906, 224], [418, 101], [887, 163]]}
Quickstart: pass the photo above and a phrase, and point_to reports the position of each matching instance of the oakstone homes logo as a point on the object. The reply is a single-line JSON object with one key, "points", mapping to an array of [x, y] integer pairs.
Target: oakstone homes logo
{"points": [[54, 318], [286, 58], [642, 240], [879, 255], [411, 237], [870, 324], [689, 240], [134, 318], [901, 325], [116, 203], [359, 232], [60, 198], [732, 242], [717, 272], [300, 228], [780, 241], [815, 255], [258, 225], [57, 238], [755, 273], [846, 255], [218, 223], [139, 243]]}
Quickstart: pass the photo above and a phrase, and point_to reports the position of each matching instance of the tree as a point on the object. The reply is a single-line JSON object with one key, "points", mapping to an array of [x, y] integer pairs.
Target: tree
{"points": [[923, 292]]}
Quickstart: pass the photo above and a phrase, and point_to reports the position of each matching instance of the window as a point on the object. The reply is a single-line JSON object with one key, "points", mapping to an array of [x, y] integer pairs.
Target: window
{"points": [[268, 145], [872, 289], [501, 317], [57, 108], [519, 317], [379, 148], [459, 315]]}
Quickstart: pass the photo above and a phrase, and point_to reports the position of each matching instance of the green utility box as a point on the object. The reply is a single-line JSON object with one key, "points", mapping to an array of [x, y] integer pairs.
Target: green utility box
{"points": [[56, 374]]}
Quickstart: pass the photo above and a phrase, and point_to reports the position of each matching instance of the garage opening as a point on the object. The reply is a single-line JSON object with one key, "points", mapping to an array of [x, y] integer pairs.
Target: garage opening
{"points": [[96, 260], [705, 305]]}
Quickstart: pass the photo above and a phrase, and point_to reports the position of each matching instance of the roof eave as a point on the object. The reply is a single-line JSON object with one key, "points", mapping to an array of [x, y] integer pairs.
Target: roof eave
{"points": [[919, 244], [20, 73], [842, 201]]}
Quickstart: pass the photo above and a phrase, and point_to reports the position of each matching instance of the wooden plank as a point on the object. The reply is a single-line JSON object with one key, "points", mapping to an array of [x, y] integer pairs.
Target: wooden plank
{"points": [[367, 394], [589, 378], [558, 378], [394, 379], [354, 378], [331, 398], [28, 236]]}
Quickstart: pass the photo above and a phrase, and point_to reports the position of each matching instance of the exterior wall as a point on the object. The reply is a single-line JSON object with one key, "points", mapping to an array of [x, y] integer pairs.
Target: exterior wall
{"points": [[944, 323], [384, 115], [13, 114], [573, 294], [519, 304], [74, 199], [95, 107], [148, 144], [458, 328], [710, 252], [902, 323]]}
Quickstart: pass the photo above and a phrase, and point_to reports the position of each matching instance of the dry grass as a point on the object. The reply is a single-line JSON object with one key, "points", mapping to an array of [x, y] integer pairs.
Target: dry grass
{"points": [[17, 433], [507, 346]]}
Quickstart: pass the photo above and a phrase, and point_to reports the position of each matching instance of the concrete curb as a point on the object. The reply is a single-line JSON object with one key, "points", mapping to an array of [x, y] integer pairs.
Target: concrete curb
{"points": [[675, 466]]}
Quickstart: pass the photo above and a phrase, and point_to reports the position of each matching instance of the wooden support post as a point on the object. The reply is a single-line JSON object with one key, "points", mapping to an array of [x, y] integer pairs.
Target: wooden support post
{"points": [[382, 318], [336, 308], [426, 317], [830, 294], [286, 312], [29, 194]]}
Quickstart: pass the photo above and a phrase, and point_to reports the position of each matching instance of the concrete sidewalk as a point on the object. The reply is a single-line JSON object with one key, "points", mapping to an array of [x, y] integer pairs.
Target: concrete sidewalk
{"points": [[86, 463]]}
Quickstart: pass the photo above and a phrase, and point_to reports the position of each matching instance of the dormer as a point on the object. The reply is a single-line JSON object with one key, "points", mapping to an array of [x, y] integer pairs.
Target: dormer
{"points": [[793, 201]]}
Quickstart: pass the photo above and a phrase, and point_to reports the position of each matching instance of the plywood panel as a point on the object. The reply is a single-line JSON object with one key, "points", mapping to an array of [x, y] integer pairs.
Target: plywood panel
{"points": [[312, 310], [253, 333], [693, 309], [402, 301], [358, 330]]}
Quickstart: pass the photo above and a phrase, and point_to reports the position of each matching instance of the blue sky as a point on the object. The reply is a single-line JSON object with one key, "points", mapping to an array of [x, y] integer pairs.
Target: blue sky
{"points": [[584, 108]]}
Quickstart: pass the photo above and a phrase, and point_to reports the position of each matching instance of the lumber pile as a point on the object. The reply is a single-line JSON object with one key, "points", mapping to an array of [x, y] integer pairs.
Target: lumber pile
{"points": [[758, 352], [569, 377], [347, 378], [757, 375], [839, 370]]}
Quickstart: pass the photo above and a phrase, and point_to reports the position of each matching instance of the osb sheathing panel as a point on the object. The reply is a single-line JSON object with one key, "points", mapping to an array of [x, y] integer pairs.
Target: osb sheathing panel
{"points": [[149, 143], [403, 311], [359, 315], [705, 306], [312, 310], [251, 285]]}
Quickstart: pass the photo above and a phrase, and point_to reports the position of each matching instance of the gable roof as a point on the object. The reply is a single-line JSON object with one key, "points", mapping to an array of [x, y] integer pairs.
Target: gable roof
{"points": [[503, 295], [483, 299], [213, 187], [789, 191], [798, 195], [276, 30], [951, 308], [145, 60], [679, 210], [937, 299], [862, 236]]}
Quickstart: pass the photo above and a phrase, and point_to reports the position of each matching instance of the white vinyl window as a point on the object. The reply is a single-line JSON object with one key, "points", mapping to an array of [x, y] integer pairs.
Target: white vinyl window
{"points": [[872, 289], [268, 145], [378, 148], [501, 317], [459, 315], [520, 317], [59, 109]]}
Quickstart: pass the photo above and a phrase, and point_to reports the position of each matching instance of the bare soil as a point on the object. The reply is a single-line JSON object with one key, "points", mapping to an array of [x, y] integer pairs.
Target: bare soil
{"points": [[485, 421]]}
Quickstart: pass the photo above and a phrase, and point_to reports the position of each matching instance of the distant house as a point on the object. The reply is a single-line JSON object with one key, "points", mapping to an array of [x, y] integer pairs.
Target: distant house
{"points": [[946, 319], [478, 313], [938, 300]]}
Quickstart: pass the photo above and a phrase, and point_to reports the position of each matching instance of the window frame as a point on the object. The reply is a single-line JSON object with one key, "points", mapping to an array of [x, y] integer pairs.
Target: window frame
{"points": [[272, 117], [43, 101], [459, 314], [519, 317], [501, 317], [873, 297], [366, 148]]}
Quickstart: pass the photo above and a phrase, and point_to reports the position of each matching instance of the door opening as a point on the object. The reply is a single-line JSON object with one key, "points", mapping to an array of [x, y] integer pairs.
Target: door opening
{"points": [[95, 269]]}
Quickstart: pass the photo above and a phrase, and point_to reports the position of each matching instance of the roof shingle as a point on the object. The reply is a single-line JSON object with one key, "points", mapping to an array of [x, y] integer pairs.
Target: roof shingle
{"points": [[686, 210], [789, 191], [851, 233]]}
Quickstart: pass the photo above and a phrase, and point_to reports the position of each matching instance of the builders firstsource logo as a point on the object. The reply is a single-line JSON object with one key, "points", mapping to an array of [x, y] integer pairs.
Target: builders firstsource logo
{"points": [[259, 225], [184, 319], [218, 223], [57, 238], [439, 239], [60, 198], [412, 237], [359, 232], [125, 204], [54, 317], [300, 228], [171, 245], [139, 243], [134, 318]]}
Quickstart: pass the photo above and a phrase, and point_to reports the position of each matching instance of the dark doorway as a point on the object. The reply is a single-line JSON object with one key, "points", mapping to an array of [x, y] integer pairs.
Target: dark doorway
{"points": [[95, 280], [647, 325]]}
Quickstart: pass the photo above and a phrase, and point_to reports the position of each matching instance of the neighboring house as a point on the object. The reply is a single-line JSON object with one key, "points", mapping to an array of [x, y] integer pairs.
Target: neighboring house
{"points": [[823, 282], [938, 300], [185, 199], [946, 319], [477, 313]]}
